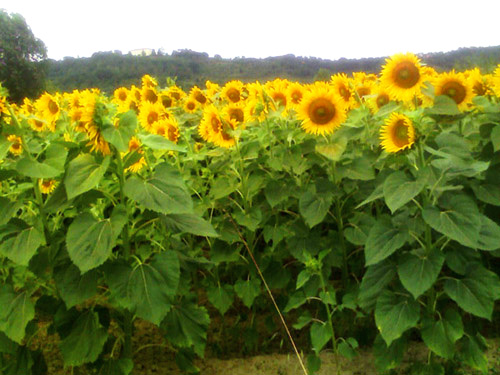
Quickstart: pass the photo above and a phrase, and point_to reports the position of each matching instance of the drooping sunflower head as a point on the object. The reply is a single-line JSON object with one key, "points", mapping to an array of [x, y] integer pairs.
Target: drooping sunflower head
{"points": [[148, 81], [321, 111], [47, 186], [403, 76], [455, 86], [343, 89], [397, 133], [233, 91]]}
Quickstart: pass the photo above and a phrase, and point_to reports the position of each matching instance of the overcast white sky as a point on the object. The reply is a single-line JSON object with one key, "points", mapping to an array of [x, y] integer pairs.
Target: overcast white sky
{"points": [[261, 28]]}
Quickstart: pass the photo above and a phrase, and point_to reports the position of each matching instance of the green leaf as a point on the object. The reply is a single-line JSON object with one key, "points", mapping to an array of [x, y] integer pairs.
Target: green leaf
{"points": [[119, 219], [314, 206], [247, 290], [4, 147], [8, 209], [221, 296], [489, 235], [360, 169], [73, 287], [383, 240], [487, 193], [158, 142], [375, 279], [495, 138], [477, 292], [459, 220], [147, 289], [32, 168], [276, 192], [164, 192], [296, 300], [89, 241], [119, 136], [473, 353], [21, 244], [85, 341], [187, 327], [55, 156], [359, 228], [84, 173], [332, 150], [399, 189], [418, 270], [320, 335], [222, 252], [347, 350], [443, 105], [16, 312], [7, 346], [389, 356], [436, 338], [394, 314], [250, 219], [189, 223], [222, 187], [121, 366]]}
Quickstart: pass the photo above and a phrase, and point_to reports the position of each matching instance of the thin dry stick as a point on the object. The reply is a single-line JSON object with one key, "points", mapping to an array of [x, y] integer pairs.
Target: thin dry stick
{"points": [[269, 292]]}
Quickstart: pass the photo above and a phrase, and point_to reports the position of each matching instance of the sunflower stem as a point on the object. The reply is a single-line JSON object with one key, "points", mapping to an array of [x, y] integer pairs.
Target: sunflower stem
{"points": [[121, 180]]}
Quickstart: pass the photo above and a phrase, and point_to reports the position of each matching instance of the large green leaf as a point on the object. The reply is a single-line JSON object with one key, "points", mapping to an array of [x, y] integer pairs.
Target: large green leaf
{"points": [[489, 235], [314, 206], [21, 244], [89, 241], [443, 105], [375, 279], [473, 352], [119, 136], [55, 156], [320, 335], [276, 192], [332, 150], [85, 340], [164, 192], [221, 296], [248, 290], [495, 138], [418, 270], [16, 311], [189, 223], [4, 147], [399, 189], [487, 193], [122, 366], [8, 209], [146, 289], [157, 142], [383, 240], [477, 292], [394, 314], [389, 357], [84, 173], [440, 336], [32, 168], [187, 326], [459, 220], [73, 287]]}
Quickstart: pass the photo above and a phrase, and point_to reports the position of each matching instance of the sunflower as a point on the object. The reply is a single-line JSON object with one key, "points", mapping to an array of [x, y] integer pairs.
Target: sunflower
{"points": [[166, 99], [232, 91], [210, 124], [190, 105], [255, 110], [455, 86], [148, 81], [149, 114], [167, 128], [3, 106], [476, 79], [397, 133], [321, 111], [47, 186], [176, 93], [36, 124], [49, 109], [120, 97], [342, 87], [403, 76], [294, 93], [149, 94], [212, 88], [234, 112], [379, 98], [27, 108], [17, 144], [277, 91], [197, 94]]}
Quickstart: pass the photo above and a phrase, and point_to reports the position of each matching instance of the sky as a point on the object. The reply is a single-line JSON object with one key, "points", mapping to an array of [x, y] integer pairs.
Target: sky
{"points": [[261, 28]]}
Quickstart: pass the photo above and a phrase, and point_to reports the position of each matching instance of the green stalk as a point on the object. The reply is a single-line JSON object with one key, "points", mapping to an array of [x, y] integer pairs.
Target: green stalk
{"points": [[340, 225], [330, 322], [121, 180]]}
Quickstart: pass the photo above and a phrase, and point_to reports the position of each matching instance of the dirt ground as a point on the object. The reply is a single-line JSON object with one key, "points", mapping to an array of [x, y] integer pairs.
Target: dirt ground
{"points": [[158, 359]]}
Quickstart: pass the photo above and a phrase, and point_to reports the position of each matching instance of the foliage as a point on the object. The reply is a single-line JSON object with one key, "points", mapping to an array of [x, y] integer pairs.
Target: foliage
{"points": [[22, 70]]}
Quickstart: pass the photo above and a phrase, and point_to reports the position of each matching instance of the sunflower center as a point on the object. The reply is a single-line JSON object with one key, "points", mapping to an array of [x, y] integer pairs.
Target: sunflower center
{"points": [[53, 107], [160, 130], [344, 93], [152, 117], [296, 97], [363, 91], [38, 124], [122, 96], [233, 95], [280, 99], [46, 184], [455, 91], [215, 124], [406, 75], [201, 98], [175, 95], [167, 101], [321, 111], [382, 100], [191, 106], [236, 114], [400, 134], [150, 96]]}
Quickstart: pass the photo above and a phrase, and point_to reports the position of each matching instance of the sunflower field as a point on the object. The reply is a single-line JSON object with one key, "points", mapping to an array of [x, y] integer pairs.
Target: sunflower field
{"points": [[359, 212]]}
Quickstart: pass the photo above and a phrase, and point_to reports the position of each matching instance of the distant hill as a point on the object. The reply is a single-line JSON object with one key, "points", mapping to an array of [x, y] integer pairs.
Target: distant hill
{"points": [[109, 70]]}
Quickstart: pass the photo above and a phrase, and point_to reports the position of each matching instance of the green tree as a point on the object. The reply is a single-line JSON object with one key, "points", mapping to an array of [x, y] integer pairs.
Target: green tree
{"points": [[22, 65]]}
